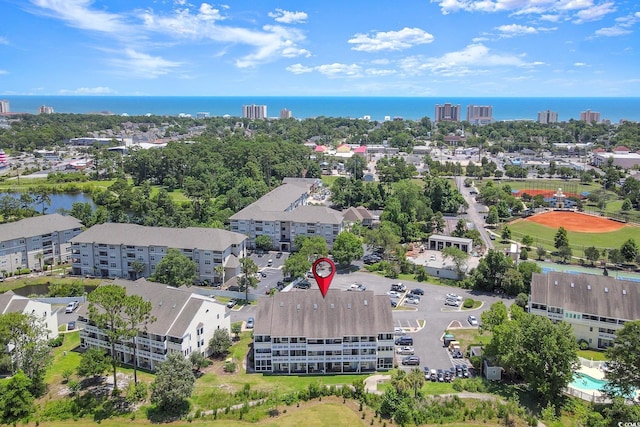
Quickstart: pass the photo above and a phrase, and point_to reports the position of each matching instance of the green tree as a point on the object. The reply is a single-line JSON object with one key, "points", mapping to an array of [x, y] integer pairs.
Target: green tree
{"points": [[489, 274], [384, 236], [492, 216], [495, 316], [94, 362], [17, 402], [506, 234], [541, 251], [565, 253], [615, 256], [106, 307], [461, 228], [415, 380], [175, 269], [236, 328], [219, 269], [560, 239], [296, 265], [458, 257], [247, 278], [527, 269], [137, 267], [623, 373], [346, 248], [626, 205], [173, 384], [592, 254], [527, 240], [137, 316], [629, 250], [542, 353], [198, 361], [264, 242], [524, 254], [220, 343], [522, 300]]}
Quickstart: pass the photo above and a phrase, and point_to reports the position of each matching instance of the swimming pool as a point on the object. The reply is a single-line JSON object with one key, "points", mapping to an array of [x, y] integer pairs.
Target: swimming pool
{"points": [[586, 382]]}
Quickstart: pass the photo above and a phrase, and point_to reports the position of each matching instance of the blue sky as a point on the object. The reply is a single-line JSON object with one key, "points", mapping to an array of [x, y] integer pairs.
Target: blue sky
{"points": [[324, 47]]}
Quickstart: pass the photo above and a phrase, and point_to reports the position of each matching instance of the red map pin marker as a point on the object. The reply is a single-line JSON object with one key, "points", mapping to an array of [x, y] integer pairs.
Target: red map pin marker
{"points": [[323, 270]]}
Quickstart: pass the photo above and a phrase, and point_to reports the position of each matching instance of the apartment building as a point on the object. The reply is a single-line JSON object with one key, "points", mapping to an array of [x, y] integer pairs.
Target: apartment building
{"points": [[480, 114], [447, 113], [185, 322], [286, 114], [283, 213], [590, 116], [4, 106], [547, 117], [110, 250], [254, 111], [35, 242], [12, 303], [300, 332], [595, 306]]}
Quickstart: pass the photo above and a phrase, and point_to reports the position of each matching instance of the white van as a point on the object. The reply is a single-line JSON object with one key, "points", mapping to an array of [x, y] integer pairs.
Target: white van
{"points": [[71, 307]]}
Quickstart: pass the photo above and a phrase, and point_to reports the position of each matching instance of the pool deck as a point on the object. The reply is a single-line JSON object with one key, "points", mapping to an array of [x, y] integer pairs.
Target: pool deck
{"points": [[592, 372]]}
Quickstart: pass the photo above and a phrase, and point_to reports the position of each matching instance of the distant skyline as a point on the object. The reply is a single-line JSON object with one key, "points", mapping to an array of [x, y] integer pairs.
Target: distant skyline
{"points": [[456, 48]]}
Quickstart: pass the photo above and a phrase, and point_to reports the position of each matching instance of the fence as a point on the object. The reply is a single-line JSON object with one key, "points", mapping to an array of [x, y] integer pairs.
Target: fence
{"points": [[593, 397], [596, 364]]}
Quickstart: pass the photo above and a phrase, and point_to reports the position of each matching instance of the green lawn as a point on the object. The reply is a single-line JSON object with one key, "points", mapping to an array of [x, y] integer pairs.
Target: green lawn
{"points": [[26, 281], [470, 337], [551, 184], [543, 236], [592, 355]]}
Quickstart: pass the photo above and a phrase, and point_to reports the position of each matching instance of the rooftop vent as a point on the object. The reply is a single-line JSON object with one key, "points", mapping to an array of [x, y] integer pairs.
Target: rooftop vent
{"points": [[589, 287], [555, 283], [333, 306], [606, 289], [315, 306], [281, 303], [349, 306], [297, 306], [366, 302], [572, 285], [624, 292]]}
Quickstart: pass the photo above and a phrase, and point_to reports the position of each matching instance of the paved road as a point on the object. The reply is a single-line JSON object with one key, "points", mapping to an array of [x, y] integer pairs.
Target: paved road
{"points": [[474, 214], [431, 309]]}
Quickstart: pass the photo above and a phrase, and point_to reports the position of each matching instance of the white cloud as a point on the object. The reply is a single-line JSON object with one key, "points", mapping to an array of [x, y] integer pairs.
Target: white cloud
{"points": [[377, 72], [99, 90], [580, 64], [145, 66], [595, 13], [287, 17], [299, 69], [550, 18], [472, 59], [3, 72], [515, 30], [208, 13], [390, 40], [338, 70], [380, 61], [3, 40], [621, 28]]}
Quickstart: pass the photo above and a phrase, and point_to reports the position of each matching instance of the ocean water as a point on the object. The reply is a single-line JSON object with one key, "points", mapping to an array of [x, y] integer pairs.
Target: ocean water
{"points": [[377, 108]]}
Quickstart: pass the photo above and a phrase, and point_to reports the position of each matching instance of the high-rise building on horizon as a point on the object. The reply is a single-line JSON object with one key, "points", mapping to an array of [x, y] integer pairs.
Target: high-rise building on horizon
{"points": [[254, 111], [4, 106], [285, 114], [44, 109], [546, 117], [447, 113], [479, 114], [590, 116]]}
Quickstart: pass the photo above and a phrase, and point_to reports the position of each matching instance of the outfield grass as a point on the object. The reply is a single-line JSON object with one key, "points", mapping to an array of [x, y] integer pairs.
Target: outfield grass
{"points": [[550, 184], [543, 236]]}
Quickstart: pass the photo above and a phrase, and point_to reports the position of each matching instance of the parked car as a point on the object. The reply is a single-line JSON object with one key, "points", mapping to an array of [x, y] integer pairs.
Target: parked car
{"points": [[393, 294], [279, 255], [417, 291], [357, 287], [249, 324], [412, 301], [406, 350], [269, 263], [263, 274], [303, 285], [398, 287], [473, 321], [457, 354], [433, 375], [234, 288], [414, 296], [280, 285], [452, 302], [440, 376], [454, 296], [404, 340], [71, 325], [231, 303], [411, 360], [71, 307], [371, 259], [394, 303], [399, 331]]}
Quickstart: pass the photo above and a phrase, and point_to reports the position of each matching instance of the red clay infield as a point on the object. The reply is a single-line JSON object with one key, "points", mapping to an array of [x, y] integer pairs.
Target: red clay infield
{"points": [[575, 221], [545, 193]]}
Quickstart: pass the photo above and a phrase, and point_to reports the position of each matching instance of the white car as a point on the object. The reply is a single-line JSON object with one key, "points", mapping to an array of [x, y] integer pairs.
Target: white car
{"points": [[398, 331], [452, 302], [473, 321], [393, 294], [357, 287], [406, 350], [454, 296], [71, 307], [412, 301]]}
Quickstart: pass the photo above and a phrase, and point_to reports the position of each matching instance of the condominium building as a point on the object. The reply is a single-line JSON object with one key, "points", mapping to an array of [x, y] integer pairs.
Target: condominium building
{"points": [[283, 213], [546, 117], [480, 114], [300, 332], [44, 109], [35, 242], [110, 250], [590, 116], [285, 114], [254, 111], [4, 106], [447, 113], [12, 303], [185, 322], [595, 306]]}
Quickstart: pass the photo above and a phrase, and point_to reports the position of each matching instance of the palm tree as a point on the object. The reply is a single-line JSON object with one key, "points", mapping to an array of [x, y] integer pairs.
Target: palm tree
{"points": [[39, 257], [219, 269], [247, 280]]}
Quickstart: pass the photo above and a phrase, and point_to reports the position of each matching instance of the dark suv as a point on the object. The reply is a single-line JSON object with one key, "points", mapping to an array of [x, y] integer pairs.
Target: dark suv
{"points": [[404, 340]]}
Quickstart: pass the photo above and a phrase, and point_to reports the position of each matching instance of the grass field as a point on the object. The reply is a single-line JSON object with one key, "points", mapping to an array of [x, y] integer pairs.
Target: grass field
{"points": [[543, 236]]}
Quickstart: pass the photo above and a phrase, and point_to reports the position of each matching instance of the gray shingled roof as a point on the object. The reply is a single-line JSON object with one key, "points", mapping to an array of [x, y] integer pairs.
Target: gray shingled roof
{"points": [[306, 313], [37, 226], [5, 299], [139, 235], [621, 301], [171, 306]]}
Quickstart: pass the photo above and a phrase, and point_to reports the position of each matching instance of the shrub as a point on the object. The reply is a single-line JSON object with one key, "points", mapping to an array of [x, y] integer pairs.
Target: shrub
{"points": [[229, 367], [468, 303], [56, 342], [583, 344]]}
